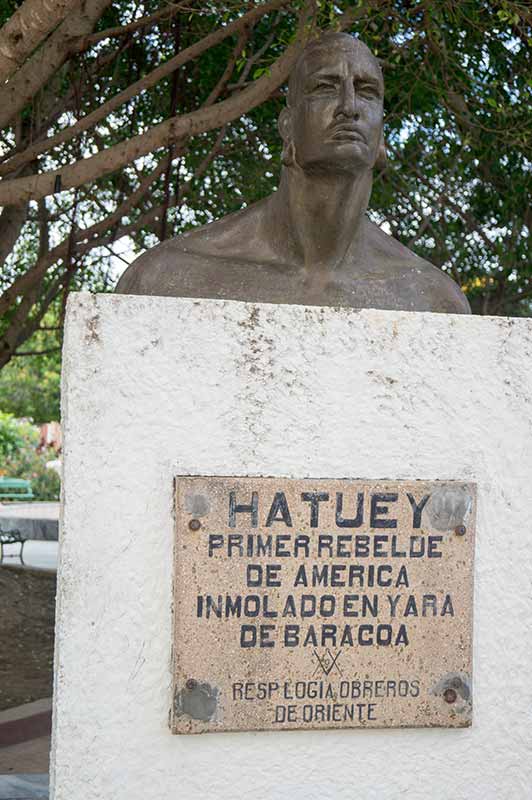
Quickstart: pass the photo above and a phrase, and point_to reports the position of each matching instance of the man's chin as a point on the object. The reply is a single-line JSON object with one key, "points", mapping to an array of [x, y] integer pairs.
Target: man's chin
{"points": [[340, 159]]}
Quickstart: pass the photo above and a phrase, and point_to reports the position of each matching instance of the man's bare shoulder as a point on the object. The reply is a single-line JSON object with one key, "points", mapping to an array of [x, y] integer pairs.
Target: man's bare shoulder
{"points": [[441, 291], [229, 236], [154, 272], [172, 267]]}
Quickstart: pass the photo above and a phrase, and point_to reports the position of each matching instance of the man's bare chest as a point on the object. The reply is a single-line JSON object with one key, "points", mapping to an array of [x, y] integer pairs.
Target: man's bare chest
{"points": [[265, 283]]}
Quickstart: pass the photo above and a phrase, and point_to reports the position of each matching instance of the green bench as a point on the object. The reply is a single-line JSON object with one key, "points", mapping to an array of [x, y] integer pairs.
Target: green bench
{"points": [[15, 489]]}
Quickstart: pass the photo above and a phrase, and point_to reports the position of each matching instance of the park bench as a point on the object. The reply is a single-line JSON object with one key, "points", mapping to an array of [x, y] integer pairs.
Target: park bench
{"points": [[15, 489], [11, 538]]}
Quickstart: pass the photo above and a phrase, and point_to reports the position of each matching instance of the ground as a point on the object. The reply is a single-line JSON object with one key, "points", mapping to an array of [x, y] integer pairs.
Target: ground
{"points": [[27, 633]]}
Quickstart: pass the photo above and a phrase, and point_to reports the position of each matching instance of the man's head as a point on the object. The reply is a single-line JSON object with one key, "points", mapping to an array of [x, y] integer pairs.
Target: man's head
{"points": [[333, 118]]}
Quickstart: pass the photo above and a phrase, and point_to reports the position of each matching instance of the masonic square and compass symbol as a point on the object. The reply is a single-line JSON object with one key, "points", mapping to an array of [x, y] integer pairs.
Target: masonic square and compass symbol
{"points": [[327, 662]]}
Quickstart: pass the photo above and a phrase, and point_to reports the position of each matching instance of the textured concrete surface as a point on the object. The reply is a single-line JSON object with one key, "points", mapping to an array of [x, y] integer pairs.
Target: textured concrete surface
{"points": [[156, 387]]}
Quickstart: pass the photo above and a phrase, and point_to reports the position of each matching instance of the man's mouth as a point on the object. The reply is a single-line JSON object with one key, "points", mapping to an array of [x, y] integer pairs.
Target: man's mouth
{"points": [[348, 133]]}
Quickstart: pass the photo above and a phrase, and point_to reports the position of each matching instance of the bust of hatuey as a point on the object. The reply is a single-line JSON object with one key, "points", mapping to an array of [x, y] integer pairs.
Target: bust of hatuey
{"points": [[310, 242]]}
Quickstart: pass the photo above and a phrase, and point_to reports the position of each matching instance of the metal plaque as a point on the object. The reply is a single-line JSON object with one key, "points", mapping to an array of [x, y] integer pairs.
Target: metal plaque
{"points": [[322, 604]]}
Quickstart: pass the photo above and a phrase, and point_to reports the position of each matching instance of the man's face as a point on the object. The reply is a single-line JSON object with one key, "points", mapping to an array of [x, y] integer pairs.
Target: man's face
{"points": [[336, 116]]}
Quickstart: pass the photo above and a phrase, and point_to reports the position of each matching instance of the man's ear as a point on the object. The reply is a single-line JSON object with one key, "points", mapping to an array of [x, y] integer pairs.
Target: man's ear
{"points": [[382, 160], [284, 124]]}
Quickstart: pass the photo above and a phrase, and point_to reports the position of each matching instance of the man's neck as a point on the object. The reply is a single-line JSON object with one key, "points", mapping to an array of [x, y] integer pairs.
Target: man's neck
{"points": [[319, 219]]}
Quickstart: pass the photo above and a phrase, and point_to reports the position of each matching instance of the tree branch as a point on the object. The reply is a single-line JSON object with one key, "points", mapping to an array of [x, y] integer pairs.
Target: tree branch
{"points": [[26, 29], [38, 69], [85, 237], [12, 220], [20, 190], [60, 106], [147, 82], [16, 334], [166, 13], [228, 71], [465, 215]]}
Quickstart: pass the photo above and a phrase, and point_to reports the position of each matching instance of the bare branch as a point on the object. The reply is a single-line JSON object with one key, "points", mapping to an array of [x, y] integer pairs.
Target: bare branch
{"points": [[20, 190], [148, 81], [463, 213], [11, 221], [85, 240], [228, 71], [38, 69], [26, 29], [20, 328], [61, 104], [166, 13], [92, 237]]}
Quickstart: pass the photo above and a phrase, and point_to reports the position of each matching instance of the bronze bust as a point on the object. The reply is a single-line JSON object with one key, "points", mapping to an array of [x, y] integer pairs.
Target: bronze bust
{"points": [[310, 242]]}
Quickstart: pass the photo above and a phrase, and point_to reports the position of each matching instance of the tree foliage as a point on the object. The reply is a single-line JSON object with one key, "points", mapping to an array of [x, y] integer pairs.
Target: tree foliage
{"points": [[30, 385], [133, 120]]}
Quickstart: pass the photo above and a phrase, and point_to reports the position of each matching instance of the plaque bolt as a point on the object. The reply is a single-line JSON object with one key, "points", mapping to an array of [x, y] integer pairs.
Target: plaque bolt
{"points": [[449, 695], [194, 524], [460, 530], [191, 683]]}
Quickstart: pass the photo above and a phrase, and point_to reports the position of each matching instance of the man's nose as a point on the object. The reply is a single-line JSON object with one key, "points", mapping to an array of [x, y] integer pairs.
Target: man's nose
{"points": [[347, 106]]}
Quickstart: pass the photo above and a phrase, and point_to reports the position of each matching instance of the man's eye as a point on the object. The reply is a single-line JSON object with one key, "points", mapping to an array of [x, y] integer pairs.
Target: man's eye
{"points": [[367, 91], [325, 87]]}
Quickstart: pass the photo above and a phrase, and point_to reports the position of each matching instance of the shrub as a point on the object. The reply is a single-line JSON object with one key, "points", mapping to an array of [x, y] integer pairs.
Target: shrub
{"points": [[13, 435], [19, 457]]}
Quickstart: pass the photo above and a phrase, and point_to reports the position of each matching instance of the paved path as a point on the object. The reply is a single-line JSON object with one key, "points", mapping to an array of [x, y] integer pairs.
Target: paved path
{"points": [[24, 787], [24, 765], [37, 555], [25, 738]]}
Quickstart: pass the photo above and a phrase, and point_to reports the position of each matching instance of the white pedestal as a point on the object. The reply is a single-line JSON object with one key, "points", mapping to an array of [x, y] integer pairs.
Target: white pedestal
{"points": [[155, 387]]}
